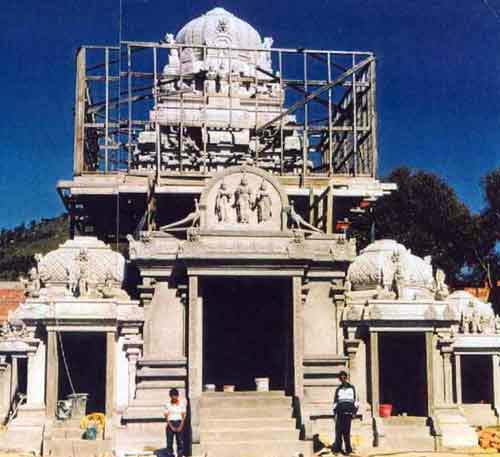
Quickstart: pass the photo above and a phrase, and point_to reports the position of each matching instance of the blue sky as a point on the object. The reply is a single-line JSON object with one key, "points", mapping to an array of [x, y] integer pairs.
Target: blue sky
{"points": [[438, 79]]}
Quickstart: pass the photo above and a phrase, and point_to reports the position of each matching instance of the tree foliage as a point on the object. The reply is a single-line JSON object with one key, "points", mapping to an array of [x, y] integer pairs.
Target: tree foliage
{"points": [[426, 216]]}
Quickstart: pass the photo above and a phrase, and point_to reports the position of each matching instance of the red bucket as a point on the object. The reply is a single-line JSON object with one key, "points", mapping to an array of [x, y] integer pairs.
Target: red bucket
{"points": [[385, 410]]}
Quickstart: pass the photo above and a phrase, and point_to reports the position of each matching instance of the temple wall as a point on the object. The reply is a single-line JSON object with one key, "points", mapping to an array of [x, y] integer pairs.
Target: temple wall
{"points": [[320, 326], [164, 327]]}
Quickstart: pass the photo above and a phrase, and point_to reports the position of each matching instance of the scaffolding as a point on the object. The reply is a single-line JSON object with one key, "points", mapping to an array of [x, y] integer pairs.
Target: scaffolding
{"points": [[312, 115]]}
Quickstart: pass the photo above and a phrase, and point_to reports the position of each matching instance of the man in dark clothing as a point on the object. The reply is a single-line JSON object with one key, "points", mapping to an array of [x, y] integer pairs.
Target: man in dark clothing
{"points": [[175, 415], [345, 407]]}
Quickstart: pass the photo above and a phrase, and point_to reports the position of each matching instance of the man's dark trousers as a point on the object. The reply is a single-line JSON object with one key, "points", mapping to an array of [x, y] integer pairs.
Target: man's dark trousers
{"points": [[178, 438], [343, 432]]}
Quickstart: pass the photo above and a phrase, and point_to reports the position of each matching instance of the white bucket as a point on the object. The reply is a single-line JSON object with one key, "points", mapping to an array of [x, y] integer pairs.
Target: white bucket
{"points": [[228, 388], [262, 384], [209, 387]]}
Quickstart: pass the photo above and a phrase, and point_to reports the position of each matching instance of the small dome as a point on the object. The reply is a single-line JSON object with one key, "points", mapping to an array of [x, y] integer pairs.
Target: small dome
{"points": [[380, 261], [219, 27]]}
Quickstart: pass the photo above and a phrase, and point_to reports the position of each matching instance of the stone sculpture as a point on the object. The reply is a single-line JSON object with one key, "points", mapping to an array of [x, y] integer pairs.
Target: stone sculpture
{"points": [[222, 203], [243, 201], [191, 218], [298, 221], [440, 288], [263, 203]]}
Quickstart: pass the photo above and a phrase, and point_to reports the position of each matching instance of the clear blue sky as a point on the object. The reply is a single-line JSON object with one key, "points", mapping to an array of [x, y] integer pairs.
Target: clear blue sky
{"points": [[438, 79]]}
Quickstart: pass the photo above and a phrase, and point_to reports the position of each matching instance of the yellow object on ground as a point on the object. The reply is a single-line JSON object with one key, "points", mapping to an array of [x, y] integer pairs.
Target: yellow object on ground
{"points": [[95, 418]]}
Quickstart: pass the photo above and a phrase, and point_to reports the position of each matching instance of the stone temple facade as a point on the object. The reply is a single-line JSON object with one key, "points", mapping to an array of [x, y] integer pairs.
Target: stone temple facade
{"points": [[245, 282]]}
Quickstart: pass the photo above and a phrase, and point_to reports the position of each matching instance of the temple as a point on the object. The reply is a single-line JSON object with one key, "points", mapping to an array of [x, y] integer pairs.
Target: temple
{"points": [[215, 178]]}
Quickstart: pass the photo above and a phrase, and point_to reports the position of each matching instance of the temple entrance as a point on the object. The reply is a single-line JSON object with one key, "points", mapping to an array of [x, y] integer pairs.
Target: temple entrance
{"points": [[477, 378], [247, 332], [403, 379], [85, 355]]}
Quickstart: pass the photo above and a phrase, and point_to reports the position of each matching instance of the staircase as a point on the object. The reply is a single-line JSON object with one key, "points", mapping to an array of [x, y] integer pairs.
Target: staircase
{"points": [[64, 439], [405, 433], [248, 424], [479, 414], [453, 429]]}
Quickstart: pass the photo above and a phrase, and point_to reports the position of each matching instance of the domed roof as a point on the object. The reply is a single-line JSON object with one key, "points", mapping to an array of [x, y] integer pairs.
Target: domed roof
{"points": [[380, 261], [219, 27]]}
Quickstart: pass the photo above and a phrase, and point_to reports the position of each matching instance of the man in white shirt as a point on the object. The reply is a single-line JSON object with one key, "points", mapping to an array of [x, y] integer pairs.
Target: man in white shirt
{"points": [[175, 415], [345, 407]]}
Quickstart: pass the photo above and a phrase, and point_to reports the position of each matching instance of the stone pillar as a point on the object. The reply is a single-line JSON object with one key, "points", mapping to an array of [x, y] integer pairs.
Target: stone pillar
{"points": [[298, 337], [495, 359], [374, 375], [36, 378], [458, 378], [195, 354], [448, 376], [132, 355], [429, 356], [4, 386], [14, 375], [110, 375], [52, 380]]}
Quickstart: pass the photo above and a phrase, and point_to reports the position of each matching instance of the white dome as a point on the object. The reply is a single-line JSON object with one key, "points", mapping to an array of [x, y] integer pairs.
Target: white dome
{"points": [[378, 262], [218, 27]]}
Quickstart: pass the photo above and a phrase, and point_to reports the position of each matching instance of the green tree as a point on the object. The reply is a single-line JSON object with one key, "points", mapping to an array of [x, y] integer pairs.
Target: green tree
{"points": [[426, 216]]}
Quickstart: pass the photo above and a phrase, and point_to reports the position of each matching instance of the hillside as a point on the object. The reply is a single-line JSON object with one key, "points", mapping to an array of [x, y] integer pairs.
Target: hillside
{"points": [[18, 245]]}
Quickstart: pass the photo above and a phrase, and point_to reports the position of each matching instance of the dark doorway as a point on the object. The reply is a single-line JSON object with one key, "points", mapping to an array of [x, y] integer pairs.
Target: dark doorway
{"points": [[403, 372], [247, 331], [477, 379], [85, 355]]}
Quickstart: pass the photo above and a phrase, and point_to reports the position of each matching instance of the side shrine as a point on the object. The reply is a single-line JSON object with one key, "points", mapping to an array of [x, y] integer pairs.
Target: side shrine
{"points": [[225, 172]]}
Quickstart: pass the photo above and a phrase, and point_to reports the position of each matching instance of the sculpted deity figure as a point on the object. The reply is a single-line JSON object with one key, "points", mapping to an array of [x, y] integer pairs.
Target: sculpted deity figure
{"points": [[243, 201], [399, 276], [476, 322], [210, 81], [222, 203], [267, 44], [263, 203], [440, 288]]}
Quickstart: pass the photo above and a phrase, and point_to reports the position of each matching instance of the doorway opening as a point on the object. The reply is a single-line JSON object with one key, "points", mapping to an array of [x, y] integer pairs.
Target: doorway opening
{"points": [[477, 378], [85, 355], [403, 372], [247, 332]]}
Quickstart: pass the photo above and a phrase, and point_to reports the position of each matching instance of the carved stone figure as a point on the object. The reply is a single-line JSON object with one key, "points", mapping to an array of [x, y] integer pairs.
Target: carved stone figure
{"points": [[263, 203], [440, 288], [111, 290], [243, 201], [210, 81], [222, 203], [399, 279], [476, 323], [192, 218], [83, 273], [298, 221]]}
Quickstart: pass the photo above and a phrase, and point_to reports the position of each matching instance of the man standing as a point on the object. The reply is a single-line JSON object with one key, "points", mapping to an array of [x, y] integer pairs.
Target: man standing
{"points": [[175, 415], [345, 407]]}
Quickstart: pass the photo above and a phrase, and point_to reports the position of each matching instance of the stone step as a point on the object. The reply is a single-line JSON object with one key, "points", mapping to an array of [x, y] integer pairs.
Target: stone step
{"points": [[76, 448], [254, 449], [254, 435], [208, 424], [245, 402], [246, 412], [148, 372], [70, 433], [244, 393], [143, 413]]}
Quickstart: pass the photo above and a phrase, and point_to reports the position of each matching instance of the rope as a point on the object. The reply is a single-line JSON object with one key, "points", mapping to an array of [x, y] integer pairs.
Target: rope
{"points": [[66, 367]]}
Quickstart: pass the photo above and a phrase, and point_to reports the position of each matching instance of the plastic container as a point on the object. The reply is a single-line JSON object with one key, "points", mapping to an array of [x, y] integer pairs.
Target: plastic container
{"points": [[228, 388], [79, 405], [262, 384], [385, 410]]}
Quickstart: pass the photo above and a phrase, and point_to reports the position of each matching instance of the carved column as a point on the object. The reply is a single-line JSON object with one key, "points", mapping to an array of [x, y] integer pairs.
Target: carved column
{"points": [[429, 353], [375, 370], [132, 356], [110, 375], [52, 381], [356, 351], [495, 359], [36, 378], [195, 353], [448, 377], [298, 337], [458, 378]]}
